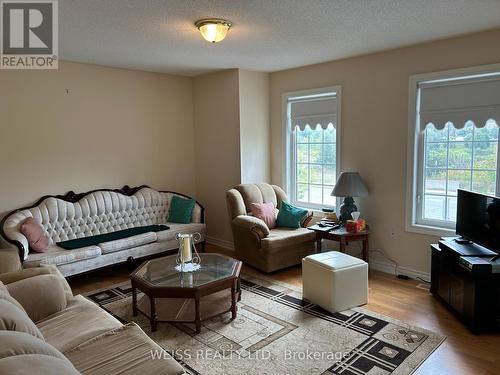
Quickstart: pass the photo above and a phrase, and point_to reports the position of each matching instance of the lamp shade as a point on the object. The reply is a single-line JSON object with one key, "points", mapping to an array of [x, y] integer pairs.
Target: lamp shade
{"points": [[350, 184]]}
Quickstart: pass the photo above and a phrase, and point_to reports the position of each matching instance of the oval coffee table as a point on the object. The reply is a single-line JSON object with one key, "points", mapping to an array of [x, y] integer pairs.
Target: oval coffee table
{"points": [[188, 297]]}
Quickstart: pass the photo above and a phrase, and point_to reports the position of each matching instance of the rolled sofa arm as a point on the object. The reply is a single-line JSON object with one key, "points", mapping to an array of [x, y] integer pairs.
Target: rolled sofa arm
{"points": [[27, 273], [307, 219], [19, 240], [40, 295], [9, 260], [253, 224]]}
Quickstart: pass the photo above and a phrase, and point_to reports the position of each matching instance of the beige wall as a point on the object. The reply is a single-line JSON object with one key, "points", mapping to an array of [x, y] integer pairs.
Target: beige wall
{"points": [[375, 123], [217, 135], [205, 134], [114, 127], [254, 127]]}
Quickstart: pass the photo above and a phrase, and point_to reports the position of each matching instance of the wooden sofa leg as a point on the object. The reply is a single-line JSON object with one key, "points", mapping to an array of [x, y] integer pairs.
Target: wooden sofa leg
{"points": [[130, 264]]}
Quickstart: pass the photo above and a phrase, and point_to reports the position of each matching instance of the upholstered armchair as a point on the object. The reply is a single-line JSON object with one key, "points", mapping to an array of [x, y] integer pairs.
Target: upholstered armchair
{"points": [[263, 248]]}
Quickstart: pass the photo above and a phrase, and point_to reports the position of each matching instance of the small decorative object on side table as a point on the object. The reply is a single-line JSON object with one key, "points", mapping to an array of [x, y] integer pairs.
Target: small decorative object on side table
{"points": [[341, 235], [330, 215]]}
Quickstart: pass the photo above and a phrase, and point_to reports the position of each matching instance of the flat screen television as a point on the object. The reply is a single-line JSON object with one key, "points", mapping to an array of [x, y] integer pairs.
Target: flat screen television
{"points": [[478, 219]]}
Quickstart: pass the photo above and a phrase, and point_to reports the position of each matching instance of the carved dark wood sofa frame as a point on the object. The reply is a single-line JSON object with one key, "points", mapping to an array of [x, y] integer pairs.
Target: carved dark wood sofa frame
{"points": [[73, 197]]}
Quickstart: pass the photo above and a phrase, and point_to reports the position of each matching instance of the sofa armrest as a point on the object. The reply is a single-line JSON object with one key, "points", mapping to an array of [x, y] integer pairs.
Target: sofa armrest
{"points": [[12, 277], [253, 224], [9, 260], [307, 219], [198, 215], [40, 295], [18, 239]]}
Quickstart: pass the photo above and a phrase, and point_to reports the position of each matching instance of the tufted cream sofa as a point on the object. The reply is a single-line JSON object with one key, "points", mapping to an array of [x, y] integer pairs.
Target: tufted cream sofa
{"points": [[98, 212]]}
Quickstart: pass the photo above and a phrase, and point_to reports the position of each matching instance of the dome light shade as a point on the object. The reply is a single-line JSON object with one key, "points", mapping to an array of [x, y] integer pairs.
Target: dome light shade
{"points": [[214, 29]]}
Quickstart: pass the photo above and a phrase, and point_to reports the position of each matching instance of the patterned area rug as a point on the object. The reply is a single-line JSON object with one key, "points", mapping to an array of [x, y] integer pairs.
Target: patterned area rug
{"points": [[276, 332]]}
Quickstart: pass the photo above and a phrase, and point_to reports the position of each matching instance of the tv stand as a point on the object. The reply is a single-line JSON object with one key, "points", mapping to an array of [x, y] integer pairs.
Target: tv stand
{"points": [[466, 278], [462, 241]]}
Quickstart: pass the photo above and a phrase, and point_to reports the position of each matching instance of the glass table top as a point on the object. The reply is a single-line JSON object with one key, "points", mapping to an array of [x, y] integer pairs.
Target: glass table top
{"points": [[162, 272]]}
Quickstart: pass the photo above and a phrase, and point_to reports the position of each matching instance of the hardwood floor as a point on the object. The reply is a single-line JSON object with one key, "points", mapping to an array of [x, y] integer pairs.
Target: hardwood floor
{"points": [[406, 300]]}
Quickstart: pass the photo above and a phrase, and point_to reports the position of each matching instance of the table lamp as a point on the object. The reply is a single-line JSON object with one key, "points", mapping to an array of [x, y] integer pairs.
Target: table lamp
{"points": [[349, 184]]}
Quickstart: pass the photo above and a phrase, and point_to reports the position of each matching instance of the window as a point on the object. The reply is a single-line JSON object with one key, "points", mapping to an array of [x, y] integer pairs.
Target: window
{"points": [[312, 131], [455, 138], [457, 159]]}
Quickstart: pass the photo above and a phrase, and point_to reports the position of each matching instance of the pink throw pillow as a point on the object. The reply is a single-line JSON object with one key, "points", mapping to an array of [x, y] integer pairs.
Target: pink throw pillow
{"points": [[266, 212], [33, 232]]}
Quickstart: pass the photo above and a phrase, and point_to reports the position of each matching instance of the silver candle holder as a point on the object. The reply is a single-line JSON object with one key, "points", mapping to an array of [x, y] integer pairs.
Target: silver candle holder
{"points": [[188, 259]]}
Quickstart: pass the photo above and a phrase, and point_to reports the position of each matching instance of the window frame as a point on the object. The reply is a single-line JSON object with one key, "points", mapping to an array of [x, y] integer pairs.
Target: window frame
{"points": [[289, 155], [415, 153]]}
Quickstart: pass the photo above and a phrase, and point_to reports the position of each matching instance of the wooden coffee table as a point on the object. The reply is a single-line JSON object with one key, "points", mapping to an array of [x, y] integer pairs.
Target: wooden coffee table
{"points": [[189, 297]]}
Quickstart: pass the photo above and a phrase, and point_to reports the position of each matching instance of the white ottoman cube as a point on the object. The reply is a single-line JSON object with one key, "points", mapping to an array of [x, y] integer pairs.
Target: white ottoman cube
{"points": [[335, 281]]}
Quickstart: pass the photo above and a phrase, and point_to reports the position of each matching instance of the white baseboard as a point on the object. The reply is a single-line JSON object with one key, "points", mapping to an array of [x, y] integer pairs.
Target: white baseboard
{"points": [[388, 267], [378, 265], [221, 243]]}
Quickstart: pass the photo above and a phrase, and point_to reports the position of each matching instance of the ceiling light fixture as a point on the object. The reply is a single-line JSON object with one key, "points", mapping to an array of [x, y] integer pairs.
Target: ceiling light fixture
{"points": [[213, 29]]}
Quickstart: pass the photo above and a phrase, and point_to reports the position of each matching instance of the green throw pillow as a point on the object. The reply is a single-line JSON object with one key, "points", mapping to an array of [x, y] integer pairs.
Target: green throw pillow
{"points": [[181, 210], [290, 216]]}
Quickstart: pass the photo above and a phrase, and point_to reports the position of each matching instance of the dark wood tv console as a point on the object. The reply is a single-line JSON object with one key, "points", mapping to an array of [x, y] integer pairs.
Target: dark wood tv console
{"points": [[467, 284]]}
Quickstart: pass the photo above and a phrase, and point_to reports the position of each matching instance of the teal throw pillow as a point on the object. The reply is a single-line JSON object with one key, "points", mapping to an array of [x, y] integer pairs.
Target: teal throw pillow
{"points": [[290, 216], [181, 210]]}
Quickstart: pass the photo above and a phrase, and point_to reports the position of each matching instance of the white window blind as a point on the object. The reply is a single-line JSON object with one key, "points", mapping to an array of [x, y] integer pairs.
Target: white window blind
{"points": [[312, 155], [313, 111], [457, 144], [458, 101]]}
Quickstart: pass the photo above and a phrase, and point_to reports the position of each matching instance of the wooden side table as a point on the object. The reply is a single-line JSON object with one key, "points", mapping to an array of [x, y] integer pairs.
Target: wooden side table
{"points": [[342, 236]]}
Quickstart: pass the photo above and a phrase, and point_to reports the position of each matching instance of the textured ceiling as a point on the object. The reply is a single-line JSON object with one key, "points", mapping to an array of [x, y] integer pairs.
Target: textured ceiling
{"points": [[267, 35]]}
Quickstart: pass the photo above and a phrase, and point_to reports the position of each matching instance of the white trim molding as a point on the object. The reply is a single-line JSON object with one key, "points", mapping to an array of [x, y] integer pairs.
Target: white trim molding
{"points": [[415, 147], [389, 268]]}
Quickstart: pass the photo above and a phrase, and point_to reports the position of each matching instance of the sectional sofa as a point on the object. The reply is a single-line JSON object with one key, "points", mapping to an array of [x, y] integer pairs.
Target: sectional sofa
{"points": [[58, 333], [74, 216]]}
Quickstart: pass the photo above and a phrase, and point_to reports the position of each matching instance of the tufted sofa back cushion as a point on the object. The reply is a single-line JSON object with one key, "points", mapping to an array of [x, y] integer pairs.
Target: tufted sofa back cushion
{"points": [[96, 213]]}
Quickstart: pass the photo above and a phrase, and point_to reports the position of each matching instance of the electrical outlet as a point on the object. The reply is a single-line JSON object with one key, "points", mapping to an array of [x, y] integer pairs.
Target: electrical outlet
{"points": [[393, 234]]}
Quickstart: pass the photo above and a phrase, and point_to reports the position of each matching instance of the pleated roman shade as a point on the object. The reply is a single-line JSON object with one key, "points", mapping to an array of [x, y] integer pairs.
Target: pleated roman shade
{"points": [[458, 101], [320, 111]]}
